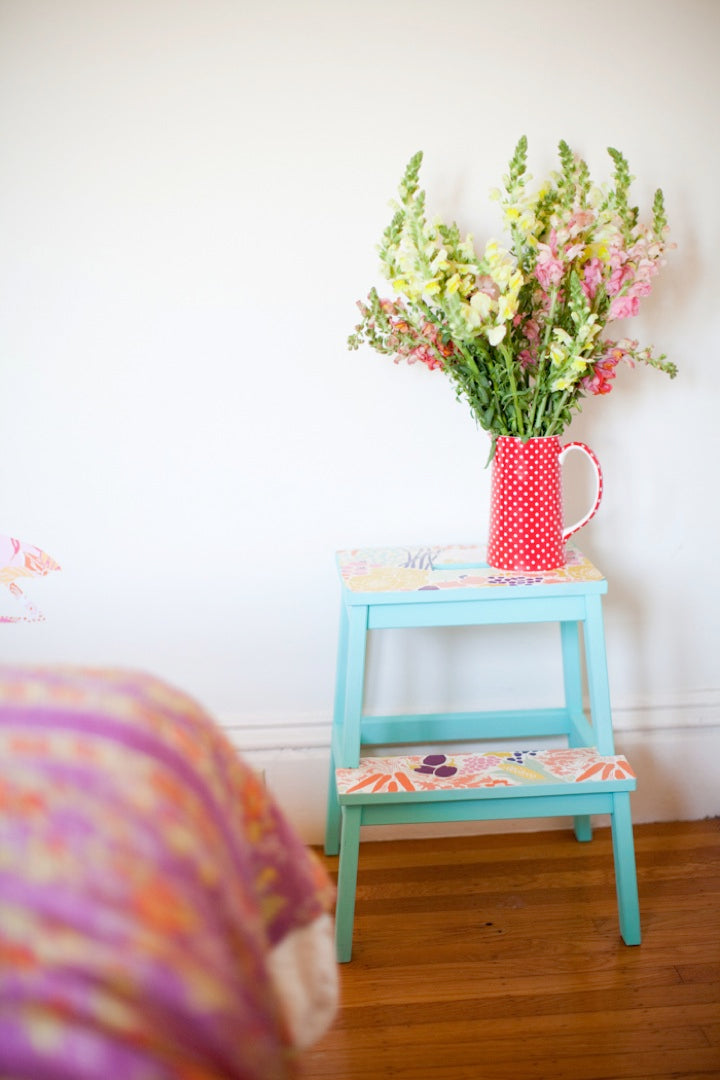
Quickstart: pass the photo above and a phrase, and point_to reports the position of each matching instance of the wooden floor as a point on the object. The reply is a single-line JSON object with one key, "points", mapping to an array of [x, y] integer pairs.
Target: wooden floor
{"points": [[499, 958]]}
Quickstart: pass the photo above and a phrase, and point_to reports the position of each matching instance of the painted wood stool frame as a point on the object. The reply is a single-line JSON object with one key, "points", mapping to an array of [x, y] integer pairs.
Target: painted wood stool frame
{"points": [[452, 586]]}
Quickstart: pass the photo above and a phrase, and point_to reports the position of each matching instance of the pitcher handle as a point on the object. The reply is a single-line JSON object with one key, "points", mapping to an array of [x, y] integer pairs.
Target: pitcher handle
{"points": [[598, 479]]}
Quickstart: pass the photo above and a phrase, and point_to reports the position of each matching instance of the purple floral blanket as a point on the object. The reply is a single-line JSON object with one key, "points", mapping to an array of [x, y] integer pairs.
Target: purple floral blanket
{"points": [[151, 891]]}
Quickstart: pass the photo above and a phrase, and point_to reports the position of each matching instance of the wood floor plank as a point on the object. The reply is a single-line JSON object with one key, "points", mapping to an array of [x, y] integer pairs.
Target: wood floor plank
{"points": [[712, 1033], [476, 1063], [707, 972], [451, 982], [562, 1012], [499, 958]]}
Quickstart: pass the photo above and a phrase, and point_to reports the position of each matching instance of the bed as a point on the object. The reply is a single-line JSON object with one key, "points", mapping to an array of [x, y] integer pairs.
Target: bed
{"points": [[159, 917]]}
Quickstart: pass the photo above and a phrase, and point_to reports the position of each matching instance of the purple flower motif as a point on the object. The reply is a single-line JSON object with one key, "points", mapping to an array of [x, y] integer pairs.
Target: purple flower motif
{"points": [[435, 765], [518, 579]]}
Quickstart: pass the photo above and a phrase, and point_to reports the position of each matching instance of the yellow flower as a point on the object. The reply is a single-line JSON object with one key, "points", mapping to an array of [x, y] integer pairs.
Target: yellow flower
{"points": [[596, 196], [507, 306], [495, 334], [482, 304], [558, 354], [516, 282], [597, 251], [527, 222], [470, 316], [500, 263], [467, 247], [494, 254]]}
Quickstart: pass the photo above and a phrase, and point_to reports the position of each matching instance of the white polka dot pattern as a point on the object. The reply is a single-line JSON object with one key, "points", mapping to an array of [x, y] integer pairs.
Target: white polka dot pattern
{"points": [[526, 514]]}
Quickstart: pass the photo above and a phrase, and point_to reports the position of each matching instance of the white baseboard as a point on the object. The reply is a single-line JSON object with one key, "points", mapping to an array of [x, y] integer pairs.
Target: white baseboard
{"points": [[673, 744]]}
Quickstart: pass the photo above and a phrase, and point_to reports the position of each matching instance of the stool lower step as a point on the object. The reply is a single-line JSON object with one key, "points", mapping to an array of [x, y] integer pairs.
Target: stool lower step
{"points": [[483, 774], [484, 785]]}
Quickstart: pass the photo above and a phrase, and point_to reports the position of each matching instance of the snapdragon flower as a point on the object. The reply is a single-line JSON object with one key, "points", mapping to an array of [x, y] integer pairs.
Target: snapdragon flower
{"points": [[518, 328]]}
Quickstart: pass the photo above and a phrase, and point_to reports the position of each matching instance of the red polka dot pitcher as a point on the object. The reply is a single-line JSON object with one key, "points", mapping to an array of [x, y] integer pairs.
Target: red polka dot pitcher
{"points": [[526, 511]]}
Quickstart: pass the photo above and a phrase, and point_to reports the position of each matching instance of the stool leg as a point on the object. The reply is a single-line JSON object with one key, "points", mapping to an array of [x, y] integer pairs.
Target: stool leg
{"points": [[625, 870], [572, 678], [583, 828], [597, 674], [347, 882], [348, 751], [332, 821], [572, 681]]}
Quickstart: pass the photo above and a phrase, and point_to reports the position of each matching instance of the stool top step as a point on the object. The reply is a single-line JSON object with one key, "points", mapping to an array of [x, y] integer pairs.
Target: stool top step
{"points": [[483, 769], [455, 567]]}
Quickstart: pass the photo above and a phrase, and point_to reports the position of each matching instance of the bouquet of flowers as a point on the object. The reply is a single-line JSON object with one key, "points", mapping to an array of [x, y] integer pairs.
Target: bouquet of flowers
{"points": [[519, 329]]}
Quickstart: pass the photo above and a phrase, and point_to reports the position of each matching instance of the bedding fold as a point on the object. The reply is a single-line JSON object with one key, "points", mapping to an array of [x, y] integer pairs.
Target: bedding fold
{"points": [[159, 917]]}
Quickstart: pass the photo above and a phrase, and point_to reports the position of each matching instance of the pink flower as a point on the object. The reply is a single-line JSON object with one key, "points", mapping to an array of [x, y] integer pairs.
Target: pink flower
{"points": [[624, 307], [549, 268], [619, 277], [573, 251], [580, 220], [426, 356], [487, 285], [600, 382], [592, 276], [531, 330], [432, 334]]}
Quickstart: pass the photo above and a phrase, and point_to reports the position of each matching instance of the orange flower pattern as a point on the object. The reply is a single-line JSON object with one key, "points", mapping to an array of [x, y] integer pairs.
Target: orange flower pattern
{"points": [[477, 770]]}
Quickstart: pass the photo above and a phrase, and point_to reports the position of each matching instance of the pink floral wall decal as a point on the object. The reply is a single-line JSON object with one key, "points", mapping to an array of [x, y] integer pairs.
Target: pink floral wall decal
{"points": [[20, 560]]}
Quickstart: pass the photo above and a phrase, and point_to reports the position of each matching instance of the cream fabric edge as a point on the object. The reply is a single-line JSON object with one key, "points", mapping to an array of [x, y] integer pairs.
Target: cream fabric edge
{"points": [[304, 973]]}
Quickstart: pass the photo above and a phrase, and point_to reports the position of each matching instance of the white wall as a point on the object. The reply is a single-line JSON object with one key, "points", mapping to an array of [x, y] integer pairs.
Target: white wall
{"points": [[190, 196]]}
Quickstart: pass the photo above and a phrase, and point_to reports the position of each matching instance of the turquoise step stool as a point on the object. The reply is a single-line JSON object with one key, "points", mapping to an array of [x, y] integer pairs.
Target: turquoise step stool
{"points": [[450, 586]]}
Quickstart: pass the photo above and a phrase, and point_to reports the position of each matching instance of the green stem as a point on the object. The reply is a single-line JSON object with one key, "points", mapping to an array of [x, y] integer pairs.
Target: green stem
{"points": [[468, 358], [471, 363], [537, 425], [507, 356], [556, 414], [498, 399], [542, 362]]}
